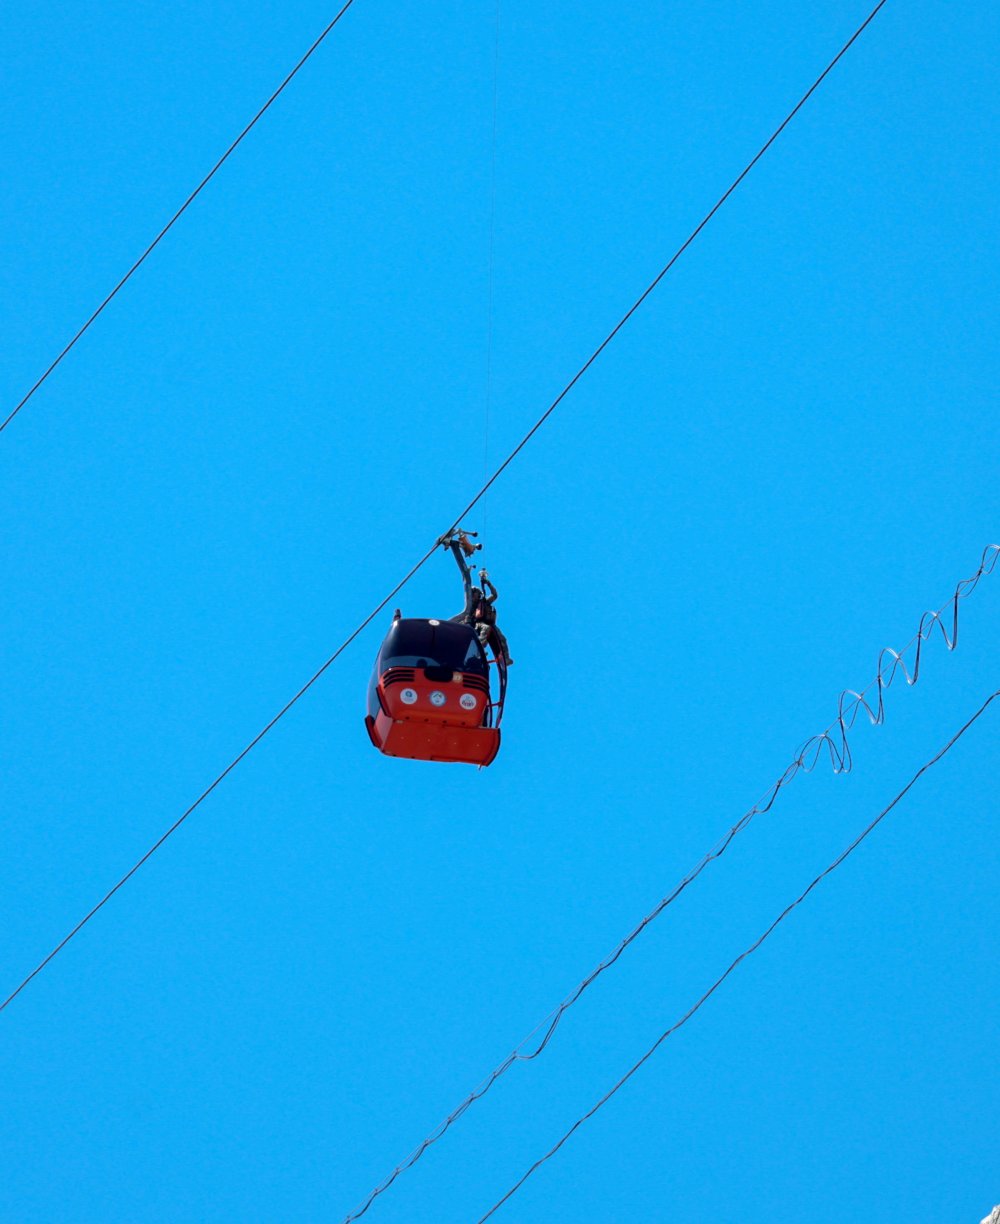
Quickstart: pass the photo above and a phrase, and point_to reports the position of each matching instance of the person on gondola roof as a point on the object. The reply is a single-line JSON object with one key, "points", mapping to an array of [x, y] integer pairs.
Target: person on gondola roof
{"points": [[479, 611]]}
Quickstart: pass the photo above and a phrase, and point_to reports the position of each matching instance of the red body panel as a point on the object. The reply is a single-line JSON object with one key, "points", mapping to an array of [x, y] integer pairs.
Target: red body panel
{"points": [[430, 741], [429, 720]]}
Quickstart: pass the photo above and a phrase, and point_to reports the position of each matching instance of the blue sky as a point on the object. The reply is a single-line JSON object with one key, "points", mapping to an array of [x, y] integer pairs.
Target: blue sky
{"points": [[787, 456]]}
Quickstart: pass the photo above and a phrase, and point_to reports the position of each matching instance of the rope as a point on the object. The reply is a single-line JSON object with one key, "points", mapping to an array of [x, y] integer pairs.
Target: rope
{"points": [[739, 960], [673, 259], [492, 247], [176, 217], [208, 790]]}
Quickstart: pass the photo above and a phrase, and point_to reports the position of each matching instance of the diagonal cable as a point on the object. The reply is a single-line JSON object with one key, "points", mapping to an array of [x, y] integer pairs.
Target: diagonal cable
{"points": [[486, 486], [175, 218], [742, 957], [834, 739], [208, 790], [677, 254]]}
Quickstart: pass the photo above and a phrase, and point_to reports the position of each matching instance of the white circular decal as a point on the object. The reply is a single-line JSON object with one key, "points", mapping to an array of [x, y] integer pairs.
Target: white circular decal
{"points": [[408, 696], [467, 701], [437, 698]]}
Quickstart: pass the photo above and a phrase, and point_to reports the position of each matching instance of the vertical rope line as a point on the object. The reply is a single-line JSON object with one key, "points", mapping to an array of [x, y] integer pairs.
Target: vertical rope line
{"points": [[491, 277]]}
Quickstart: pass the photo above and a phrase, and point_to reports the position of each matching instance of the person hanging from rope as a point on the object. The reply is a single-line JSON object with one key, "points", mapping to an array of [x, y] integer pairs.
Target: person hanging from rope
{"points": [[479, 611]]}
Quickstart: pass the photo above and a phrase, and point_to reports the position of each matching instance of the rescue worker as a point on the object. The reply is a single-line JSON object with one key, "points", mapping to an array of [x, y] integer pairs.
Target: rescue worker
{"points": [[479, 611]]}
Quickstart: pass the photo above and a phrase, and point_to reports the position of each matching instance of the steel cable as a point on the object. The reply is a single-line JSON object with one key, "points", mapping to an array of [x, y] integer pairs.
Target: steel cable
{"points": [[835, 738], [742, 957], [176, 217], [208, 790]]}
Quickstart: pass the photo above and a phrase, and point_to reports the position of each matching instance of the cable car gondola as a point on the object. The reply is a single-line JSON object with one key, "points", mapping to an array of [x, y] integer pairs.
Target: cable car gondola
{"points": [[438, 686]]}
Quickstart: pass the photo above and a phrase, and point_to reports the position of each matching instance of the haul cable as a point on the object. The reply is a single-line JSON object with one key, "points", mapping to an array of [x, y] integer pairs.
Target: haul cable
{"points": [[739, 960], [177, 215]]}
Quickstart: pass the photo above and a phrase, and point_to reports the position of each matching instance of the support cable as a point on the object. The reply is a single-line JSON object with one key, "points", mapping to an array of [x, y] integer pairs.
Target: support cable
{"points": [[208, 790], [177, 216], [478, 497], [742, 957], [834, 740], [674, 258]]}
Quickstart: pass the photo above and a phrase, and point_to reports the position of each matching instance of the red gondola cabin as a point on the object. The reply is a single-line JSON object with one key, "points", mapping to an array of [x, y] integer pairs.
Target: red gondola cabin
{"points": [[430, 694]]}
